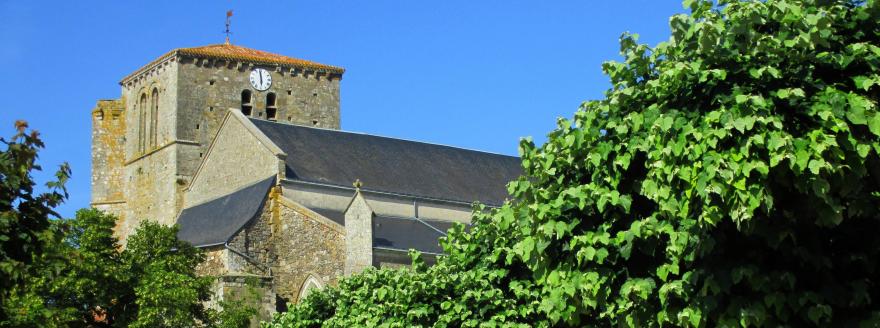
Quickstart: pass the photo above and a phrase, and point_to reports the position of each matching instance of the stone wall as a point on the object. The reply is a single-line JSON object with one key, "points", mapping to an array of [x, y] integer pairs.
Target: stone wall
{"points": [[237, 158], [108, 157], [306, 245], [314, 196], [193, 96], [215, 263], [240, 278], [338, 198], [250, 250], [161, 77], [207, 87], [153, 187], [252, 290], [358, 236]]}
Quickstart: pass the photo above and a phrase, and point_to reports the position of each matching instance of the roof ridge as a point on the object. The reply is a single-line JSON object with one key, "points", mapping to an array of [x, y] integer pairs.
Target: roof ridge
{"points": [[382, 136]]}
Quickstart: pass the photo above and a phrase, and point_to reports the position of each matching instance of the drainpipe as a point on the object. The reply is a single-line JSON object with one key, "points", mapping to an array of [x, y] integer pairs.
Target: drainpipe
{"points": [[416, 208], [248, 258]]}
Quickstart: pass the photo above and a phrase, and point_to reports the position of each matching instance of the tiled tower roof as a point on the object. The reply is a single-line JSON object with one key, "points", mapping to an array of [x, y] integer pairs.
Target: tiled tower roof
{"points": [[239, 53], [233, 52]]}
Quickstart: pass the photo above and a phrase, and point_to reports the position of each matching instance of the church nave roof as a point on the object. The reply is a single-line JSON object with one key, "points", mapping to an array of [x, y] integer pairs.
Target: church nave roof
{"points": [[392, 165]]}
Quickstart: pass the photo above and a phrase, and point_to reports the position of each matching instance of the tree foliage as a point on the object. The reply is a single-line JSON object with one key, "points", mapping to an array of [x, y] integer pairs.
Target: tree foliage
{"points": [[88, 280], [730, 177], [24, 214], [167, 292], [74, 273], [77, 278]]}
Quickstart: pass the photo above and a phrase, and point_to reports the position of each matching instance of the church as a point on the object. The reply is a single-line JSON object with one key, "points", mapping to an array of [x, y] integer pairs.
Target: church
{"points": [[242, 149]]}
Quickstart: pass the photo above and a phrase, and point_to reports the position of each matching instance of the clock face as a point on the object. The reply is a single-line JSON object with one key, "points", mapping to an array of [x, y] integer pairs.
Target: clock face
{"points": [[261, 79]]}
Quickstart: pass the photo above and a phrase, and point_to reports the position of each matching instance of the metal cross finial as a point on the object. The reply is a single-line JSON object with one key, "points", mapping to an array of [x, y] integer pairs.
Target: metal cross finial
{"points": [[228, 19]]}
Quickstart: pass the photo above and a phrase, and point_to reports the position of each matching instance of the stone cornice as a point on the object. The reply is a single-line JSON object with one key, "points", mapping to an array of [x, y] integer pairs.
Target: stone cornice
{"points": [[258, 58], [129, 79]]}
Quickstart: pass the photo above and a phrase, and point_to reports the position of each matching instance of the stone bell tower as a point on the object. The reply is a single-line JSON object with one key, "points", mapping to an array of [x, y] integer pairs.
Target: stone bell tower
{"points": [[147, 145]]}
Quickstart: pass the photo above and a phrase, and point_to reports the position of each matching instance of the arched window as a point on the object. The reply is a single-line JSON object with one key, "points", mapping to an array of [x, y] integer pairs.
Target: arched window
{"points": [[311, 284], [246, 106], [154, 118], [142, 122], [271, 110]]}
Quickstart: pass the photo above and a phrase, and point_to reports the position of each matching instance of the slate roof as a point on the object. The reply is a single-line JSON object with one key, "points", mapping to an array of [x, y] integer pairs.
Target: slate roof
{"points": [[333, 215], [239, 53], [214, 222], [409, 233], [392, 165]]}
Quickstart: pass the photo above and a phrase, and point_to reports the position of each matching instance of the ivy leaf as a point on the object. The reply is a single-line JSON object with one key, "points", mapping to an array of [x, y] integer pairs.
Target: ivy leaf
{"points": [[819, 312], [863, 150], [802, 158], [874, 124], [816, 165], [601, 255], [856, 110], [864, 82], [776, 141]]}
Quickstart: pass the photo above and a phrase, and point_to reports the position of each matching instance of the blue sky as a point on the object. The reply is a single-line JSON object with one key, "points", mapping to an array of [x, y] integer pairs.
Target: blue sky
{"points": [[474, 74]]}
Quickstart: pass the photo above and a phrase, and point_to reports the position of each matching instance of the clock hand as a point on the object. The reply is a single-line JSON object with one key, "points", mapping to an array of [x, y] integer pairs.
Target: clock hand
{"points": [[261, 79]]}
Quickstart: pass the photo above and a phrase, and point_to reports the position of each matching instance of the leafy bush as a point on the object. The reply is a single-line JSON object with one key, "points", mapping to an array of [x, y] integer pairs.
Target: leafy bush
{"points": [[73, 272], [730, 177]]}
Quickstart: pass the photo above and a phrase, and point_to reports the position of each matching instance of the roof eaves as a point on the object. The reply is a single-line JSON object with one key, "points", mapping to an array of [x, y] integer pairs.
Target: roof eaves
{"points": [[208, 245], [195, 53], [150, 65], [253, 59], [389, 193]]}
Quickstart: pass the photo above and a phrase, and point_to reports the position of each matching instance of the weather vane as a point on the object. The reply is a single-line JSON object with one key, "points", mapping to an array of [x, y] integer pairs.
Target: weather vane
{"points": [[228, 18]]}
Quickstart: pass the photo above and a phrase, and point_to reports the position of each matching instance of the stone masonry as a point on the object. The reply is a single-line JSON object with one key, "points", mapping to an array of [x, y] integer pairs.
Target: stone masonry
{"points": [[171, 109], [359, 236], [108, 141], [306, 246], [254, 160], [189, 131]]}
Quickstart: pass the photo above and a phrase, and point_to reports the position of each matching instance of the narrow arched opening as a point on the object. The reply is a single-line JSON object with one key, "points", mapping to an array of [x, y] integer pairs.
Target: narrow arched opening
{"points": [[311, 284], [142, 122], [271, 109], [246, 105], [154, 118]]}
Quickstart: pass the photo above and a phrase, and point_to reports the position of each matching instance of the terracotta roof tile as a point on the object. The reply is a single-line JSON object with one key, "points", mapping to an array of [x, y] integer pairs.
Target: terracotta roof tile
{"points": [[239, 53], [233, 52]]}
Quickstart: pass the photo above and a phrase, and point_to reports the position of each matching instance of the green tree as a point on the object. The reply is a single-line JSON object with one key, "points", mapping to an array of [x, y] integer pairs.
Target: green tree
{"points": [[25, 226], [730, 177], [87, 280], [74, 273], [80, 276], [166, 290]]}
